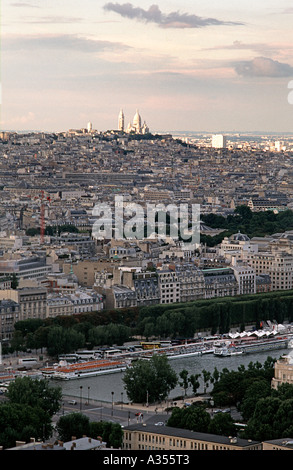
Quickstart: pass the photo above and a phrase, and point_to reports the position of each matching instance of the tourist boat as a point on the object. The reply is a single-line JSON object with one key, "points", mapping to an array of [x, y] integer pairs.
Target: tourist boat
{"points": [[227, 351], [250, 345], [64, 371]]}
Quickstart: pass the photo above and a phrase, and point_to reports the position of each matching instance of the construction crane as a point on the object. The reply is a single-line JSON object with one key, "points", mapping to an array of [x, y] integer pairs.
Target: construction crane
{"points": [[42, 218]]}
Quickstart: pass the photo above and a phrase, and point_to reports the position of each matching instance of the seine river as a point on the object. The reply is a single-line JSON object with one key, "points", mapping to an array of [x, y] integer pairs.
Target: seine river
{"points": [[101, 387]]}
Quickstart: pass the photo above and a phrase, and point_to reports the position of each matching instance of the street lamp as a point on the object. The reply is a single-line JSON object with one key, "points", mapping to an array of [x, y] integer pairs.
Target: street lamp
{"points": [[88, 395], [112, 402], [80, 396], [121, 400]]}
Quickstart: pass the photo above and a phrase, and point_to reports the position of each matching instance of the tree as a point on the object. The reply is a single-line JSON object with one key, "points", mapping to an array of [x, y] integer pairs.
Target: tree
{"points": [[64, 340], [78, 425], [257, 390], [244, 211], [261, 426], [207, 377], [73, 424], [20, 422], [193, 417], [149, 380], [194, 382], [184, 376], [111, 433], [35, 393], [14, 281], [222, 424]]}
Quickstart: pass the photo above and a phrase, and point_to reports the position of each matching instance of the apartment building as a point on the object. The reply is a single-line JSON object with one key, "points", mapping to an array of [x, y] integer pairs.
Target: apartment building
{"points": [[58, 305], [80, 301], [191, 281], [220, 282], [245, 277], [32, 301], [278, 265], [151, 437], [169, 285], [9, 314]]}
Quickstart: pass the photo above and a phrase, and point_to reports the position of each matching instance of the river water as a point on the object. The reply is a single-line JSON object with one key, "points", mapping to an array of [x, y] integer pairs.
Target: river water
{"points": [[101, 387]]}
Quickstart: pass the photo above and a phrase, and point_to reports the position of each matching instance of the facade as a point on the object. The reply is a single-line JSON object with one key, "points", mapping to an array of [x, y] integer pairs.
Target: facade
{"points": [[283, 372], [59, 305], [262, 204], [83, 244], [219, 141], [146, 285], [151, 437], [220, 282], [191, 282], [277, 264], [86, 301], [9, 314], [246, 279], [122, 252], [237, 246], [26, 267], [128, 287], [278, 444], [263, 283], [169, 285], [121, 297], [32, 301], [84, 271]]}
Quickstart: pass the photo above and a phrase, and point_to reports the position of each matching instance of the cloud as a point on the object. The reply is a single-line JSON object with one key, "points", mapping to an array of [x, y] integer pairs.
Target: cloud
{"points": [[263, 67], [54, 20], [170, 20], [59, 42], [23, 5]]}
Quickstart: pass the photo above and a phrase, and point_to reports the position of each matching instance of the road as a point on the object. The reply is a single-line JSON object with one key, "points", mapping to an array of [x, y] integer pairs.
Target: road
{"points": [[118, 413]]}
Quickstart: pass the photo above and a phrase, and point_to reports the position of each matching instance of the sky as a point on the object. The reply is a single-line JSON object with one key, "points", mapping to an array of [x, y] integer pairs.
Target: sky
{"points": [[186, 65]]}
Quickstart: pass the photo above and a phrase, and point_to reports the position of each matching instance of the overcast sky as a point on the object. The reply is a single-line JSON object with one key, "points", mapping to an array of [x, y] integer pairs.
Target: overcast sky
{"points": [[187, 65]]}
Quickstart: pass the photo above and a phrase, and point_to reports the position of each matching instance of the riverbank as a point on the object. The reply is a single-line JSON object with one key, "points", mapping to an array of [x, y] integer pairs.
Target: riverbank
{"points": [[163, 406]]}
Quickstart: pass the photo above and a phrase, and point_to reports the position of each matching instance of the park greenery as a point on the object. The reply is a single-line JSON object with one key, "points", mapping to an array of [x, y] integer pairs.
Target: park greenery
{"points": [[66, 334], [252, 224]]}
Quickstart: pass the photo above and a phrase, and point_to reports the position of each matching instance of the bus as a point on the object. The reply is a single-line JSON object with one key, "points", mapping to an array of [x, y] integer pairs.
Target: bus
{"points": [[150, 344], [27, 361], [112, 353], [68, 357], [88, 355]]}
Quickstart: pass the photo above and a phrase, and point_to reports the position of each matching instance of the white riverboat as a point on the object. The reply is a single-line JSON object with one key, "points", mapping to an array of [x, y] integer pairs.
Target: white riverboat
{"points": [[64, 371]]}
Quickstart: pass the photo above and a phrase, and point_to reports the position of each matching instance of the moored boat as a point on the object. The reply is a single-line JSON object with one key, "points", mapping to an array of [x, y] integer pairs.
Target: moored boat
{"points": [[83, 369], [250, 346]]}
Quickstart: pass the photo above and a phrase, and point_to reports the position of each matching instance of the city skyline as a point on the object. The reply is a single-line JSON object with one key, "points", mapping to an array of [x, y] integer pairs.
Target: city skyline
{"points": [[186, 66]]}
